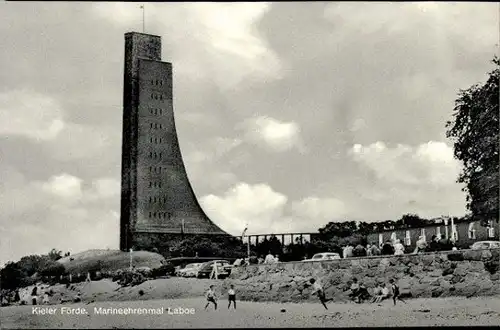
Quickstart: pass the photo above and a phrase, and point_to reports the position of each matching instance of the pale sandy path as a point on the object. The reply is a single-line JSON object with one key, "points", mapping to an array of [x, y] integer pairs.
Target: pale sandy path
{"points": [[443, 312]]}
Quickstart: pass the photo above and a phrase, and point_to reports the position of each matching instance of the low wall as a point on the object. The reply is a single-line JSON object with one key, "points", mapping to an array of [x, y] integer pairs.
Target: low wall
{"points": [[453, 273]]}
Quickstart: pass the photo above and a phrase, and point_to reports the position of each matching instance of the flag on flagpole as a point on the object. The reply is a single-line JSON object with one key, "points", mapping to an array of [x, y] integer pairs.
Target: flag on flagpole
{"points": [[244, 232]]}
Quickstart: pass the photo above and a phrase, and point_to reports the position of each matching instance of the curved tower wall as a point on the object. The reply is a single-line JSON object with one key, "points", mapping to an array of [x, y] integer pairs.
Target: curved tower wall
{"points": [[156, 198]]}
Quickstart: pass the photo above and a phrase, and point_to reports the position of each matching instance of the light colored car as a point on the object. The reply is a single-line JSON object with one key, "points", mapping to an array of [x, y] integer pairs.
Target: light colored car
{"points": [[483, 245], [324, 256], [191, 270]]}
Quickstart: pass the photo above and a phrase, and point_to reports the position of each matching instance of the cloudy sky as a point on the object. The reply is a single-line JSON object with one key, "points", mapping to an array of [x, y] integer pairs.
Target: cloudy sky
{"points": [[289, 115]]}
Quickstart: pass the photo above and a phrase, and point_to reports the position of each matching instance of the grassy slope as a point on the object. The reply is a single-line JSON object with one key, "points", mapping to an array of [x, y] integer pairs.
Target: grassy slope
{"points": [[110, 260]]}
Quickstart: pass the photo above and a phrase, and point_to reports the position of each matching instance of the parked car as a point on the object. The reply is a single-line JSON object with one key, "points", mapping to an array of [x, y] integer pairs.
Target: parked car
{"points": [[483, 245], [323, 256], [191, 270], [222, 269]]}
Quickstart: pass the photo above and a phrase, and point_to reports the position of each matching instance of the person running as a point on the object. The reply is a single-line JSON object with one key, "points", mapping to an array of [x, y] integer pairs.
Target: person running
{"points": [[396, 295], [318, 289], [232, 297], [211, 297]]}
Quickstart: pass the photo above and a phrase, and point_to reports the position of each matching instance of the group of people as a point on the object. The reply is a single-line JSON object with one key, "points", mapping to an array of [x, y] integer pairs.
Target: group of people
{"points": [[381, 292], [14, 297], [268, 259], [359, 292], [212, 297], [396, 247], [9, 297]]}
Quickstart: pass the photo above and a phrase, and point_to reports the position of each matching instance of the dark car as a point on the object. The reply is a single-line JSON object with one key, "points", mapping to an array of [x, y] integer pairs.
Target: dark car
{"points": [[223, 267]]}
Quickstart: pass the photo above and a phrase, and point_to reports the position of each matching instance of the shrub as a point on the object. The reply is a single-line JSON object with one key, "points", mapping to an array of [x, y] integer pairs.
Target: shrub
{"points": [[131, 277], [53, 268], [11, 276], [167, 269]]}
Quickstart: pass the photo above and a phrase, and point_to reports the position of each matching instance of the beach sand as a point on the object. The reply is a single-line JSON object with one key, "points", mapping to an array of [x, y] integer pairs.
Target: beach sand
{"points": [[423, 312]]}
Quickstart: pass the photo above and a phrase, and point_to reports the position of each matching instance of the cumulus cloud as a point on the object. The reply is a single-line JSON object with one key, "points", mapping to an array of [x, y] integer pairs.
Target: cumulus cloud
{"points": [[319, 209], [64, 185], [78, 141], [431, 162], [267, 211], [272, 134], [36, 211], [212, 40], [258, 205], [203, 166], [30, 114]]}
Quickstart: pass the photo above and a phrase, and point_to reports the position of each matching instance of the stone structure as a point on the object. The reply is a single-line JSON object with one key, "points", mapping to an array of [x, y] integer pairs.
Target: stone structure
{"points": [[157, 200], [455, 273]]}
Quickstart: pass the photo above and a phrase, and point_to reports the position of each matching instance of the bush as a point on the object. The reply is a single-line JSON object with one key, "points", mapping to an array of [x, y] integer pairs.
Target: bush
{"points": [[167, 269], [11, 276], [53, 268], [131, 278]]}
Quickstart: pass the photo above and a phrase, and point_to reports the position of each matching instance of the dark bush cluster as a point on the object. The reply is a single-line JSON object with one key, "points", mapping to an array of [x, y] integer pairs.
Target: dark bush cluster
{"points": [[165, 270], [131, 278]]}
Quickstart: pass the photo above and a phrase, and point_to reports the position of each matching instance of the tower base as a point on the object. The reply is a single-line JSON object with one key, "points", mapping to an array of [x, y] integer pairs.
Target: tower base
{"points": [[164, 243]]}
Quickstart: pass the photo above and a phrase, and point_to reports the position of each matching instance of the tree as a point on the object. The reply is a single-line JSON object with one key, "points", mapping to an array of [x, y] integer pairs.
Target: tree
{"points": [[32, 264], [11, 276], [55, 254], [411, 221], [474, 132]]}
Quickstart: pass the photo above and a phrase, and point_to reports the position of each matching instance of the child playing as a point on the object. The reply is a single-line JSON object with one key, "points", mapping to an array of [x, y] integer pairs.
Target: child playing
{"points": [[395, 292], [211, 297], [232, 297], [317, 288]]}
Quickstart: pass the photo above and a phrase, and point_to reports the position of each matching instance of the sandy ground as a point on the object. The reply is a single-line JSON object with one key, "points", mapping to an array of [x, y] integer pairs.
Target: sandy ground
{"points": [[423, 312], [106, 290]]}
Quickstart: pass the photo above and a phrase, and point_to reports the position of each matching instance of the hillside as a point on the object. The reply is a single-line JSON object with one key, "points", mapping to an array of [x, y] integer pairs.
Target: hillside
{"points": [[109, 260]]}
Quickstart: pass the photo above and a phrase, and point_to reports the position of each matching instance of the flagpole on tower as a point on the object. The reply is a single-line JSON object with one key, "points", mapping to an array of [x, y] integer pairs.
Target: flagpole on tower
{"points": [[143, 20]]}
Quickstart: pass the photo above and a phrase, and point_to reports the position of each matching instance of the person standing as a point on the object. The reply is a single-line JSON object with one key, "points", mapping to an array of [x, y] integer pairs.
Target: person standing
{"points": [[395, 292], [269, 259], [34, 295], [318, 289], [231, 297], [211, 297], [421, 245], [399, 249], [387, 248], [349, 251]]}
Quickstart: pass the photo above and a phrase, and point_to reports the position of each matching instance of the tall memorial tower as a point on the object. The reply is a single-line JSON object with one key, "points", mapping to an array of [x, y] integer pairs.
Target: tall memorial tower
{"points": [[157, 200]]}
